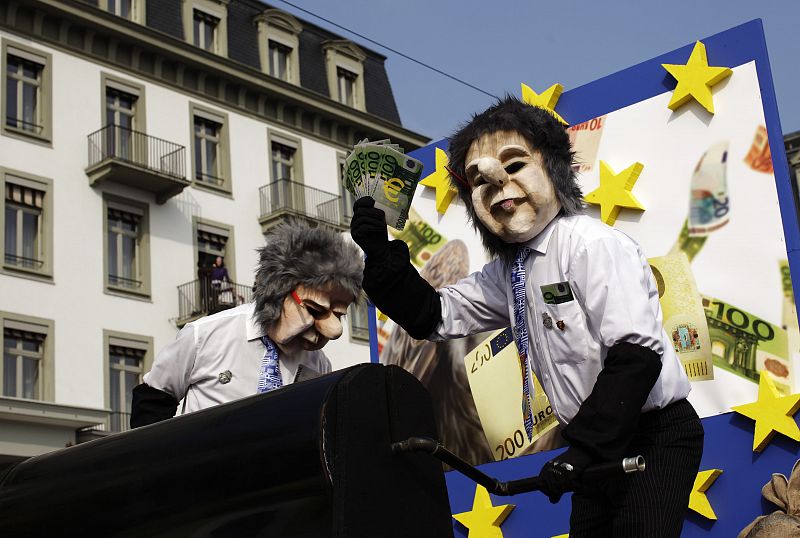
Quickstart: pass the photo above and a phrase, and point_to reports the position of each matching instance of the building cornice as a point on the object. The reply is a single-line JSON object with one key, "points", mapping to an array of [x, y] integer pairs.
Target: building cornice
{"points": [[93, 33]]}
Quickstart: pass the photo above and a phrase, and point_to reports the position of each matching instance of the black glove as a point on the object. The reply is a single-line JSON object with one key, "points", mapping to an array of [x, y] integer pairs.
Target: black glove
{"points": [[557, 478], [562, 473], [368, 228]]}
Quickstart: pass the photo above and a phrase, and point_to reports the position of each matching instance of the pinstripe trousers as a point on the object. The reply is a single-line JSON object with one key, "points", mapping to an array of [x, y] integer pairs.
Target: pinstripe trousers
{"points": [[653, 503]]}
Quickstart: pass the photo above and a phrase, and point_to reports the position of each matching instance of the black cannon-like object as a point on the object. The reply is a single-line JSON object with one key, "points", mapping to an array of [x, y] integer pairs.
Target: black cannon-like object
{"points": [[313, 459]]}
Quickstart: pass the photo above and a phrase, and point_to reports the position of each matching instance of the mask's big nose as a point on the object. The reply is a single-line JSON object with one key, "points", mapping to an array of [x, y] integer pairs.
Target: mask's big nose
{"points": [[492, 171]]}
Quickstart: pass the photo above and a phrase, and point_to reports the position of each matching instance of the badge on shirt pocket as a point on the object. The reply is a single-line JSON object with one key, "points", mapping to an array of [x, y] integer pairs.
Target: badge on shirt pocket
{"points": [[557, 293]]}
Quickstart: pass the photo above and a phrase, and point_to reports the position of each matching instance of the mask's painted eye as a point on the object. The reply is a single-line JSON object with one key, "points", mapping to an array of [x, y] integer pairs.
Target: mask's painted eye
{"points": [[514, 167], [316, 313]]}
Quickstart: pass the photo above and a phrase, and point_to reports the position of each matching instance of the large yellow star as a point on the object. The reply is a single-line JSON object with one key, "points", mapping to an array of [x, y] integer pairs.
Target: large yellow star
{"points": [[439, 180], [772, 413], [484, 520], [697, 498], [546, 100], [614, 191], [695, 79]]}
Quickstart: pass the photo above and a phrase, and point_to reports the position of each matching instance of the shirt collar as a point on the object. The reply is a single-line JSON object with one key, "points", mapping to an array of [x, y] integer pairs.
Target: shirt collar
{"points": [[542, 239], [254, 329]]}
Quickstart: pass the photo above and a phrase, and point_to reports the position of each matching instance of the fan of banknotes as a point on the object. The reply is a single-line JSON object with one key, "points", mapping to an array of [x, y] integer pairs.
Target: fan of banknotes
{"points": [[380, 169]]}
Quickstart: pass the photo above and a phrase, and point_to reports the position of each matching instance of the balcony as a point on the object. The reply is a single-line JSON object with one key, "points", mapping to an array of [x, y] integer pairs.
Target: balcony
{"points": [[137, 160], [117, 422], [200, 298], [285, 198]]}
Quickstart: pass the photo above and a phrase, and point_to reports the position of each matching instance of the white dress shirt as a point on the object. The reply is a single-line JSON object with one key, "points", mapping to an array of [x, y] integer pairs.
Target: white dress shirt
{"points": [[230, 341], [615, 300]]}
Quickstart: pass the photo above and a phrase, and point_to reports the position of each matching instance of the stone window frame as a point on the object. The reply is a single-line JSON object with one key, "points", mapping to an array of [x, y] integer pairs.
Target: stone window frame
{"points": [[41, 326], [45, 185], [223, 149], [344, 54], [138, 10], [129, 340], [45, 99], [283, 29], [217, 9], [142, 209]]}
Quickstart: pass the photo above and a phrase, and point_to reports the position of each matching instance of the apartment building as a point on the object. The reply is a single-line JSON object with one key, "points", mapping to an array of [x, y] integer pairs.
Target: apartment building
{"points": [[140, 140]]}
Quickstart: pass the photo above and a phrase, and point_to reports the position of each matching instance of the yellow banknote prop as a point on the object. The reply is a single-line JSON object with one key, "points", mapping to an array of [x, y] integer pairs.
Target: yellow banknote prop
{"points": [[684, 318], [495, 378], [422, 239], [745, 344]]}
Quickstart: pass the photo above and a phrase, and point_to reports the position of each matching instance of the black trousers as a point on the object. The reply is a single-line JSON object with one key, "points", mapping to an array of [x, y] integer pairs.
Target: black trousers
{"points": [[652, 503]]}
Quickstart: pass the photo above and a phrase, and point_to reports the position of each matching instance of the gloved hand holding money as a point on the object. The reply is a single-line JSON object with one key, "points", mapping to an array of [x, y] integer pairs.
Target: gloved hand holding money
{"points": [[381, 170]]}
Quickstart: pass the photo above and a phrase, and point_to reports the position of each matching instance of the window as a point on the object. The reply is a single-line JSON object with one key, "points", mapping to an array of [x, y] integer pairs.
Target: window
{"points": [[121, 8], [120, 123], [359, 321], [27, 229], [128, 357], [278, 43], [347, 198], [205, 30], [214, 240], [282, 161], [279, 60], [133, 10], [285, 190], [344, 62], [127, 247], [205, 24], [210, 149], [27, 370], [26, 105], [347, 86]]}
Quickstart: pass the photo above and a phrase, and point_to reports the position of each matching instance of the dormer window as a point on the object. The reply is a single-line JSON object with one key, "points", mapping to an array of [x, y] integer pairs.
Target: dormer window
{"points": [[344, 62], [205, 24], [278, 45]]}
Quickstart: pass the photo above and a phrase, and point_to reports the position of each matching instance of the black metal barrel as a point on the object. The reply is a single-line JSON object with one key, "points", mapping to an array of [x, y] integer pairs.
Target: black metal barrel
{"points": [[312, 459]]}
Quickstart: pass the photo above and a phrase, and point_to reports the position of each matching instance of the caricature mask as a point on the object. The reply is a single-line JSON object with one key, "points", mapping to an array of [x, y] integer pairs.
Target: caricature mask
{"points": [[311, 323], [511, 192]]}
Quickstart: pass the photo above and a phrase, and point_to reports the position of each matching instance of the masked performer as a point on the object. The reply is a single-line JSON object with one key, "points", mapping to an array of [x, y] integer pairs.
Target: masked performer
{"points": [[584, 306], [305, 281]]}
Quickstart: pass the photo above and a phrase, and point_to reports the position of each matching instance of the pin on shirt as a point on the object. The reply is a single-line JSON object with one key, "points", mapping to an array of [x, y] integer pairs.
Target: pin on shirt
{"points": [[561, 325], [547, 321], [225, 377]]}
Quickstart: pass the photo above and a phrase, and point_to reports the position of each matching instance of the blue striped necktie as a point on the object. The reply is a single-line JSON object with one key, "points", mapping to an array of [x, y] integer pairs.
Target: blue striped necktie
{"points": [[270, 377], [521, 333]]}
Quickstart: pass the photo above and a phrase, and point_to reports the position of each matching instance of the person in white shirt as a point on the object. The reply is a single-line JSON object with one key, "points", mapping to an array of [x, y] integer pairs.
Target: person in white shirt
{"points": [[305, 281], [584, 306]]}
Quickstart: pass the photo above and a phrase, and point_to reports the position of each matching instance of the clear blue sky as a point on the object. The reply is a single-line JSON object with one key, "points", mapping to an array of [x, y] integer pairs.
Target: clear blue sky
{"points": [[497, 44]]}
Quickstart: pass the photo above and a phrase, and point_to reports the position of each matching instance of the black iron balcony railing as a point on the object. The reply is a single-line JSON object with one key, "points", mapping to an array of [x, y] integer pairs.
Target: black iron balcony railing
{"points": [[202, 297], [117, 422], [286, 196], [122, 144]]}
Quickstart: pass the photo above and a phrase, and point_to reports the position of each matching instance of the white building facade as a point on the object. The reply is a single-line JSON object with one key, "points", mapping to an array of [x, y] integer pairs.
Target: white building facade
{"points": [[139, 141]]}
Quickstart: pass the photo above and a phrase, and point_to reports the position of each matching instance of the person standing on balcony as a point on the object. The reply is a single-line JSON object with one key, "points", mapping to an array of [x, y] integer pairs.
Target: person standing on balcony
{"points": [[221, 283], [305, 281]]}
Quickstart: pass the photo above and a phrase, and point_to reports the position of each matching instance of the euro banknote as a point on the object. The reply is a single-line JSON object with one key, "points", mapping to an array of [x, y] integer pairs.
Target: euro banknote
{"points": [[381, 170], [708, 204], [745, 344], [495, 379], [422, 239]]}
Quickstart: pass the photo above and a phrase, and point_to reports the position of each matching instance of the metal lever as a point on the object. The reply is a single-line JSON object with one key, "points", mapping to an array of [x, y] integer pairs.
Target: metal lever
{"points": [[512, 487]]}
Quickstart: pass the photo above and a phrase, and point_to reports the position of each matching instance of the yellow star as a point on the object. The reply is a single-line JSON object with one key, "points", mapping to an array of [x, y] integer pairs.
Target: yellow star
{"points": [[440, 180], [695, 79], [484, 520], [546, 100], [772, 413], [614, 191], [697, 498]]}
